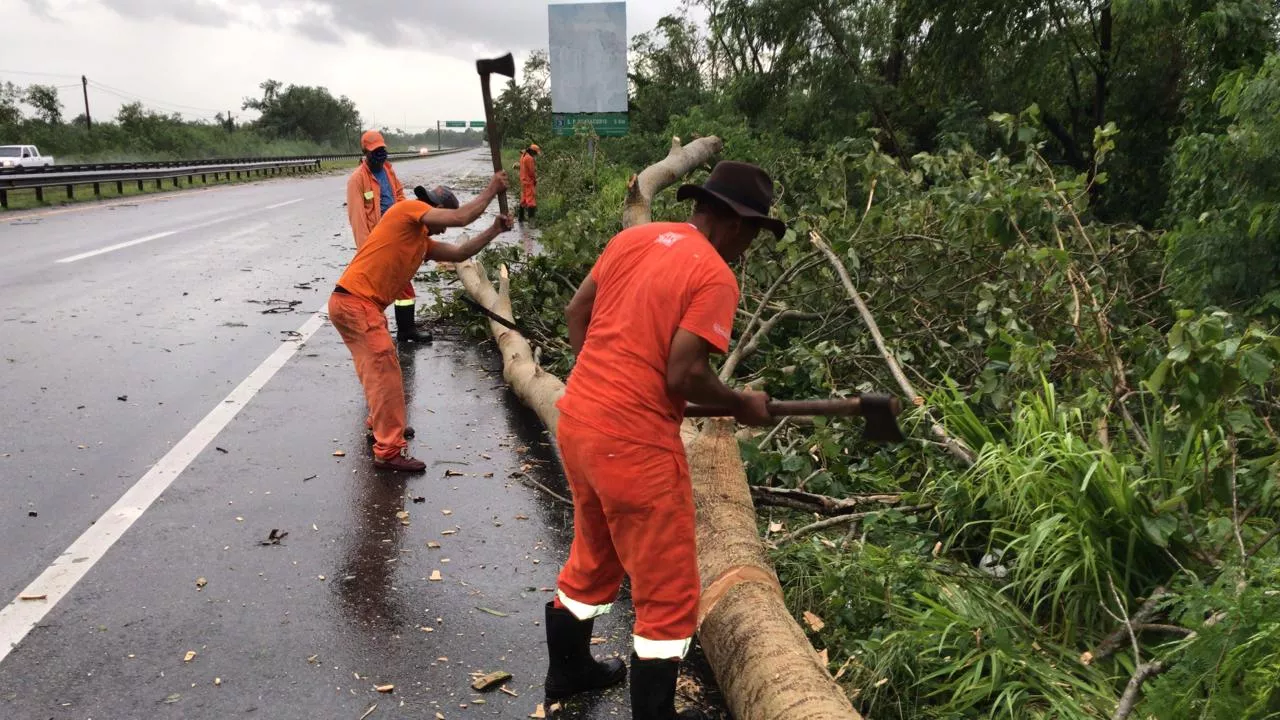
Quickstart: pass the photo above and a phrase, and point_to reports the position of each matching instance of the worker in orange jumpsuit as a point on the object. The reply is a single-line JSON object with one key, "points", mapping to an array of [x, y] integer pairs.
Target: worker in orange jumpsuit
{"points": [[529, 182], [659, 300], [386, 260], [371, 190]]}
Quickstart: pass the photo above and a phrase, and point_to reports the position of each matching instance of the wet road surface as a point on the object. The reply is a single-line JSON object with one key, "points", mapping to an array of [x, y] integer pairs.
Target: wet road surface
{"points": [[186, 363]]}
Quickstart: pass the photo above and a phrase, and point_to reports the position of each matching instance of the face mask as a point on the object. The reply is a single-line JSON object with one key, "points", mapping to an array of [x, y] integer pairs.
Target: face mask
{"points": [[377, 158]]}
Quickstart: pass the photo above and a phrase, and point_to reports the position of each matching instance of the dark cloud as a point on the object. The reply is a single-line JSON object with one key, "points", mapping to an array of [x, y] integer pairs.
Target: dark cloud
{"points": [[41, 9], [463, 27], [194, 12], [319, 29], [442, 24]]}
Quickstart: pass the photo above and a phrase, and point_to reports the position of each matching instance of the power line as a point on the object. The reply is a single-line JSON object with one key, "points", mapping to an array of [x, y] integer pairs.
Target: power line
{"points": [[204, 113], [40, 74], [134, 96]]}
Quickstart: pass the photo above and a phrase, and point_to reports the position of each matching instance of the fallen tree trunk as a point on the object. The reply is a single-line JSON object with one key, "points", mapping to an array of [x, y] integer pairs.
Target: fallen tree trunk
{"points": [[763, 661]]}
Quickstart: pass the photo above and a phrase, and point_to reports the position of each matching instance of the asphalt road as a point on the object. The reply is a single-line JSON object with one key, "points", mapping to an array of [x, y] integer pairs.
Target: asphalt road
{"points": [[171, 397]]}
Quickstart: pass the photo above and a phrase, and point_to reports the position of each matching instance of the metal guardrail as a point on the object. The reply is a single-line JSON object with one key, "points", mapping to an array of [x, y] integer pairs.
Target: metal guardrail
{"points": [[155, 164], [96, 178], [68, 176]]}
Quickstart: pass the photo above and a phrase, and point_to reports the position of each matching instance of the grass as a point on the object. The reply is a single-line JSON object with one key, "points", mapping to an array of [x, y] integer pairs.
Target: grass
{"points": [[56, 196]]}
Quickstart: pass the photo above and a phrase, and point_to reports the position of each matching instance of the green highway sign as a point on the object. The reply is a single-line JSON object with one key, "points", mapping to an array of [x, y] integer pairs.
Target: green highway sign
{"points": [[455, 123], [477, 123], [605, 124]]}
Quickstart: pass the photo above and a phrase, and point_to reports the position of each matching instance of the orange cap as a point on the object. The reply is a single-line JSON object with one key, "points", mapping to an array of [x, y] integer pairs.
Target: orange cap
{"points": [[372, 140], [535, 148]]}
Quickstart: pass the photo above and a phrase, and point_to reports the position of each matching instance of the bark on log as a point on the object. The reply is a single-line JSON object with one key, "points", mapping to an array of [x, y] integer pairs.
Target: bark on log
{"points": [[763, 661], [537, 388]]}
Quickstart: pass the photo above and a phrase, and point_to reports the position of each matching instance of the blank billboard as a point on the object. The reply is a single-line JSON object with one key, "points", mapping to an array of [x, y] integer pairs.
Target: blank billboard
{"points": [[588, 57]]}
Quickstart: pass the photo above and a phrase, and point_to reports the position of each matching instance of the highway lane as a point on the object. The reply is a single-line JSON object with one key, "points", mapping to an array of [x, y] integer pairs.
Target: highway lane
{"points": [[121, 370], [171, 324]]}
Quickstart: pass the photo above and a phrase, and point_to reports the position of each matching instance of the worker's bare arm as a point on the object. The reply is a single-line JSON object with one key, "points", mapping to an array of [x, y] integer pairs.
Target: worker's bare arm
{"points": [[578, 313], [457, 252], [437, 219], [689, 376]]}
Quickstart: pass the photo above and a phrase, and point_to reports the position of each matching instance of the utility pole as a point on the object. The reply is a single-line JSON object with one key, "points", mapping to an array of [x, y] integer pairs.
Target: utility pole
{"points": [[437, 136], [84, 84]]}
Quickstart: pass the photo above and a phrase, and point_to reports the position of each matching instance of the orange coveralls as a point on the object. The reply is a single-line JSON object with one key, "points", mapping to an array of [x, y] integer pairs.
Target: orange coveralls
{"points": [[619, 432], [528, 181], [383, 264], [364, 210]]}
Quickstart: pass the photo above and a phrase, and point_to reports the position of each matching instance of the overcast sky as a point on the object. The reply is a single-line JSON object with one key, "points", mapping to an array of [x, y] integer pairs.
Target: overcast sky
{"points": [[403, 62]]}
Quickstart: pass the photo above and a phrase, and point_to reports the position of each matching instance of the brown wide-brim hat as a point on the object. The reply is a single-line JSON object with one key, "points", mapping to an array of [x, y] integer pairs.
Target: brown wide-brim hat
{"points": [[745, 188]]}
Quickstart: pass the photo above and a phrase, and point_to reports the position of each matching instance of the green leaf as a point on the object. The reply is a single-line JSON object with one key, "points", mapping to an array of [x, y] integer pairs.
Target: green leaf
{"points": [[1156, 381], [1160, 529], [1256, 367]]}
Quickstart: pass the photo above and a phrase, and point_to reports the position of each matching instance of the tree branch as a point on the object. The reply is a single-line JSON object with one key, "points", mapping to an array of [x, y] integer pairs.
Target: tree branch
{"points": [[820, 504], [1109, 644], [841, 520], [955, 446], [637, 209], [1129, 699], [747, 349], [731, 363]]}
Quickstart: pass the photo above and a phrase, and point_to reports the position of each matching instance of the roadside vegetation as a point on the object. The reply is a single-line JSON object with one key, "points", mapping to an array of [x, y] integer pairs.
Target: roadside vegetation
{"points": [[290, 120], [1062, 219]]}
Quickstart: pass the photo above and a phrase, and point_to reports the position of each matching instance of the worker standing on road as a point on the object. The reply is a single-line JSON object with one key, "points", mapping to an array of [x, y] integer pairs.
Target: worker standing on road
{"points": [[386, 260], [659, 301], [371, 191], [529, 182]]}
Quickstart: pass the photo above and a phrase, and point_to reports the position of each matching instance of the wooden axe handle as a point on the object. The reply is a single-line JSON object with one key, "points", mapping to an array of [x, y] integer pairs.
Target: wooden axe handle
{"points": [[809, 408], [495, 138]]}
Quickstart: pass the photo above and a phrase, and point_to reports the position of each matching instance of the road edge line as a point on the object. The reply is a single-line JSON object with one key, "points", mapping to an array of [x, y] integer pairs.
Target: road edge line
{"points": [[25, 611]]}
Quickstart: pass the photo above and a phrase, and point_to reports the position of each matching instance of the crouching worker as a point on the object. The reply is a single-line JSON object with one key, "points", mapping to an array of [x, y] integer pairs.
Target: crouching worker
{"points": [[382, 266], [660, 299]]}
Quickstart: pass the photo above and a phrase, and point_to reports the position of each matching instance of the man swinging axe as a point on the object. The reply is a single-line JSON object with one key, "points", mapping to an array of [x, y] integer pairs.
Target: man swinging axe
{"points": [[659, 300], [384, 264], [371, 191]]}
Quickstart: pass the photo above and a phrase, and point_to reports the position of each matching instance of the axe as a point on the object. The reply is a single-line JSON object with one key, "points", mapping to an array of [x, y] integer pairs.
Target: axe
{"points": [[505, 66], [880, 411]]}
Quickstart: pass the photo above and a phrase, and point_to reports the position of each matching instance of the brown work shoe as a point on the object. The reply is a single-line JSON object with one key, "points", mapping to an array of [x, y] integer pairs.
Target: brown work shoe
{"points": [[402, 462]]}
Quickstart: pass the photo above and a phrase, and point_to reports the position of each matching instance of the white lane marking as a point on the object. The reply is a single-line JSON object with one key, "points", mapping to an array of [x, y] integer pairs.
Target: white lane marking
{"points": [[19, 616], [117, 246], [167, 233]]}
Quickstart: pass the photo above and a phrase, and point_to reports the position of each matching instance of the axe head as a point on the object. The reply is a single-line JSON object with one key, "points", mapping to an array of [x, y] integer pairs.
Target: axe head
{"points": [[505, 66], [881, 414]]}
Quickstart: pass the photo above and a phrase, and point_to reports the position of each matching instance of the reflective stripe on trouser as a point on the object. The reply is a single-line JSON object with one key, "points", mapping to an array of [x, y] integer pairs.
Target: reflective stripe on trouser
{"points": [[582, 611], [406, 294], [647, 649], [363, 328], [633, 514]]}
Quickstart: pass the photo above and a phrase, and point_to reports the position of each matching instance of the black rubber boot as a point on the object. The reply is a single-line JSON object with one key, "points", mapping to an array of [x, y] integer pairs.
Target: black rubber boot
{"points": [[406, 325], [573, 670], [653, 691]]}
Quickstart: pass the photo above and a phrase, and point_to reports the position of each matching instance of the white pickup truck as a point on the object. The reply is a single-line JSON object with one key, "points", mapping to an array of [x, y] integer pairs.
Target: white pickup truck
{"points": [[12, 156]]}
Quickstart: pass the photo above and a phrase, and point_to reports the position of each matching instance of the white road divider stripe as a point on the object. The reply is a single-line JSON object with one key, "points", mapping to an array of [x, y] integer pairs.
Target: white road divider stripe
{"points": [[165, 234], [34, 602], [117, 246]]}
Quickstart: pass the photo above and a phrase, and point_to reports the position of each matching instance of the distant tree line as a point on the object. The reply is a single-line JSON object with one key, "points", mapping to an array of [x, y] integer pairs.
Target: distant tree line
{"points": [[292, 119]]}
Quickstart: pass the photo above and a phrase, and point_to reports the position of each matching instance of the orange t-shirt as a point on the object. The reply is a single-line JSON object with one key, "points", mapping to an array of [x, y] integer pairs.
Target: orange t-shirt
{"points": [[650, 281], [390, 256]]}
